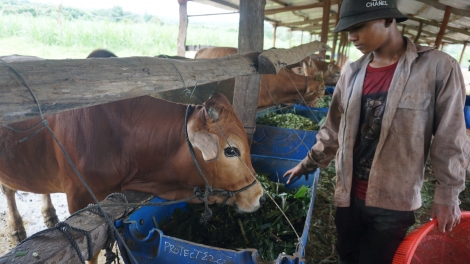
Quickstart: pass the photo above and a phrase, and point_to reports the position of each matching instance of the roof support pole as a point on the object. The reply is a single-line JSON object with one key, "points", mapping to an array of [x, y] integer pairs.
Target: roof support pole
{"points": [[274, 34], [442, 31], [250, 38], [335, 37], [403, 30], [463, 51], [418, 35], [443, 46], [181, 44], [301, 37], [325, 27]]}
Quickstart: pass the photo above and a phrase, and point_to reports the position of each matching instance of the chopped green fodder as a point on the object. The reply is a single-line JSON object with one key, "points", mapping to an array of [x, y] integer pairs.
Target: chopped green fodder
{"points": [[265, 230], [289, 120], [324, 101]]}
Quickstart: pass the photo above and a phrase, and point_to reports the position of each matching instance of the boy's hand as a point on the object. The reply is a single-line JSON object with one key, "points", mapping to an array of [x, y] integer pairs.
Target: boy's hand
{"points": [[296, 172], [447, 216]]}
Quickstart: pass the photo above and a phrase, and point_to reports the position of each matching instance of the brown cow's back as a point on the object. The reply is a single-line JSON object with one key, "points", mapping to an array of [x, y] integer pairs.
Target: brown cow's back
{"points": [[214, 52]]}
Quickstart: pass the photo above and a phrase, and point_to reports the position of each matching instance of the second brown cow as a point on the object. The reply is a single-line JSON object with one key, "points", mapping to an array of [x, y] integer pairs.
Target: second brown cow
{"points": [[286, 87]]}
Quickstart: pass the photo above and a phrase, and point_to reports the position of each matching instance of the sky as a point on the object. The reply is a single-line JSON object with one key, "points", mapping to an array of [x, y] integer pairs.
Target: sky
{"points": [[160, 8]]}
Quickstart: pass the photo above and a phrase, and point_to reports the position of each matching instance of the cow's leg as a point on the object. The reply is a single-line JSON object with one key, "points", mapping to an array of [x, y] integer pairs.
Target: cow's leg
{"points": [[48, 211], [18, 233]]}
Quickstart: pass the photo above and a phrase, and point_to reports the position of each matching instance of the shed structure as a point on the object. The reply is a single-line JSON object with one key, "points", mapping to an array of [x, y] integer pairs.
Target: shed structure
{"points": [[431, 22]]}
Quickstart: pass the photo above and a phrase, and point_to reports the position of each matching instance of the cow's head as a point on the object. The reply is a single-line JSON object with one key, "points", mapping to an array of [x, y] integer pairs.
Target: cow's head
{"points": [[315, 80], [222, 150], [333, 74]]}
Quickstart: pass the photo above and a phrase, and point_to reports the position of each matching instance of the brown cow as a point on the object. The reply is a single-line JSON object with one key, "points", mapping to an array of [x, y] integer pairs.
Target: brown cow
{"points": [[283, 88], [134, 144]]}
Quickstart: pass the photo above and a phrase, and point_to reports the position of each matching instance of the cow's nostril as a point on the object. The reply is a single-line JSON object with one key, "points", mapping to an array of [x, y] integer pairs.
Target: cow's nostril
{"points": [[262, 200]]}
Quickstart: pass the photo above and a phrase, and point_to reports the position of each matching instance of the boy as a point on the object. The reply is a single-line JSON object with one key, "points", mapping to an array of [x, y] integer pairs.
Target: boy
{"points": [[392, 107]]}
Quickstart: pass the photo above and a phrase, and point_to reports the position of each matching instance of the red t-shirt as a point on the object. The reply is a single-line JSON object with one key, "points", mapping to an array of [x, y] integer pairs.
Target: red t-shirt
{"points": [[374, 97]]}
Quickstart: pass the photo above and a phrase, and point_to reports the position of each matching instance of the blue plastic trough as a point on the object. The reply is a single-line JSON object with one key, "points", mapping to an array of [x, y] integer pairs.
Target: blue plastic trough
{"points": [[329, 90], [284, 142], [466, 111], [148, 244]]}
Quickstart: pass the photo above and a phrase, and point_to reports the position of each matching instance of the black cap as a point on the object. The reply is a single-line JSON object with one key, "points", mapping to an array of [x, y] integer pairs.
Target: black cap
{"points": [[357, 11]]}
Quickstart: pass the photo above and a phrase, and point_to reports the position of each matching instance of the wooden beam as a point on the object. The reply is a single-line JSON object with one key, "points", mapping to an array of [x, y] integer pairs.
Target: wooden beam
{"points": [[183, 26], [437, 24], [421, 10], [55, 247], [442, 30], [430, 34], [313, 27], [441, 6], [463, 51], [226, 3], [279, 2], [62, 85], [250, 38], [299, 7], [325, 22], [298, 23], [418, 35], [300, 14]]}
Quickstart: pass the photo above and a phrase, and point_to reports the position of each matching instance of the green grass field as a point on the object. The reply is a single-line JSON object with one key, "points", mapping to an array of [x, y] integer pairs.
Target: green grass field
{"points": [[45, 37]]}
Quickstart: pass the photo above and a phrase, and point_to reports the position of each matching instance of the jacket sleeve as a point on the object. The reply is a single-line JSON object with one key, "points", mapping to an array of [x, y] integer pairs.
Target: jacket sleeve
{"points": [[450, 139], [324, 150]]}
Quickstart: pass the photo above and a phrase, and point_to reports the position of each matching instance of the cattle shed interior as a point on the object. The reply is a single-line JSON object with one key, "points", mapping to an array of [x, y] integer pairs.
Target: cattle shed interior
{"points": [[431, 22]]}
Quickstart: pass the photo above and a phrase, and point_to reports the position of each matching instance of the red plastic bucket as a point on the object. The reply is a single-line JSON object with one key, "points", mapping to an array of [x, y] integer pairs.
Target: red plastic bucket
{"points": [[426, 244]]}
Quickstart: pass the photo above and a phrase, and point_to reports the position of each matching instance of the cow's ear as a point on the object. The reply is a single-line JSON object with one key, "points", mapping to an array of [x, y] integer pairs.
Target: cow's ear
{"points": [[207, 143]]}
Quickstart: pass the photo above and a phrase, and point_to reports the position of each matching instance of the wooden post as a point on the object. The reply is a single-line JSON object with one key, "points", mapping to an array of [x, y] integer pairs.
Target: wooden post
{"points": [[326, 21], [463, 51], [250, 38], [301, 37], [443, 46], [181, 44], [442, 31], [419, 32], [59, 11], [403, 30], [325, 26], [274, 34], [335, 38]]}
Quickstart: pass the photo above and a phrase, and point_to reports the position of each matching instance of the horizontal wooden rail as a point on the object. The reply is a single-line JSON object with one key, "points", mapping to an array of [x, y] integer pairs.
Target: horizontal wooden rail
{"points": [[54, 246]]}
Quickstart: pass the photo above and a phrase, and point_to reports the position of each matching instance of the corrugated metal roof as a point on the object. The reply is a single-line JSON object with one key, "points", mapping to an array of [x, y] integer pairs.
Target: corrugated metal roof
{"points": [[308, 14]]}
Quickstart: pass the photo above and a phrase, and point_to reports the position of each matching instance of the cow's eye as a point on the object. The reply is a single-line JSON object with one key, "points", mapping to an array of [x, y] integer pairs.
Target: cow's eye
{"points": [[231, 152]]}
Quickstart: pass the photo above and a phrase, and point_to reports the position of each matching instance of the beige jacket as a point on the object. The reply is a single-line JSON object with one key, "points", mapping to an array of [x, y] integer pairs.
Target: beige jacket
{"points": [[424, 112]]}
